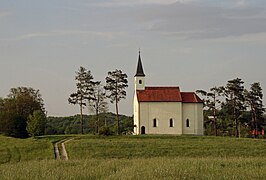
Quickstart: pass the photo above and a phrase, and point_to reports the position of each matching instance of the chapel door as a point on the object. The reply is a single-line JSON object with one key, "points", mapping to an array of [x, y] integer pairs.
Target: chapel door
{"points": [[142, 130]]}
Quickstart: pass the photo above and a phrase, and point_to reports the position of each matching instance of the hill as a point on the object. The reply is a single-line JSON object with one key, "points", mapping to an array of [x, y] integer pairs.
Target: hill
{"points": [[71, 124], [136, 157]]}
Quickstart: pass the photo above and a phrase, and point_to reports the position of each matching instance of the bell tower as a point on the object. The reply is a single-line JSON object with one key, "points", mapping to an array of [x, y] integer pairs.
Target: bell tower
{"points": [[139, 79]]}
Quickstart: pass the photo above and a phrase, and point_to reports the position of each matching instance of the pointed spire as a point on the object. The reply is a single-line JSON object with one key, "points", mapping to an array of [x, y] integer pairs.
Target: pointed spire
{"points": [[140, 71]]}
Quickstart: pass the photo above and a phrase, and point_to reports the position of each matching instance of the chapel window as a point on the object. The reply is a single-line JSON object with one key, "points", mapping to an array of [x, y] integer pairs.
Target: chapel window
{"points": [[171, 124], [154, 122], [140, 81], [187, 123]]}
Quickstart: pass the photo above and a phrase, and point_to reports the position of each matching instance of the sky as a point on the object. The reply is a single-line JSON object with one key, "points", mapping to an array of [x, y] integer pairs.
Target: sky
{"points": [[193, 44]]}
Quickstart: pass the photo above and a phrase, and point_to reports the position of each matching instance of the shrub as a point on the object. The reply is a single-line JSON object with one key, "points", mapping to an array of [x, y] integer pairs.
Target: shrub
{"points": [[106, 131]]}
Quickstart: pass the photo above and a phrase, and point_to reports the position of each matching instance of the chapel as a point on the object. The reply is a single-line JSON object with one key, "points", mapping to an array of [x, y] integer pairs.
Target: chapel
{"points": [[165, 110]]}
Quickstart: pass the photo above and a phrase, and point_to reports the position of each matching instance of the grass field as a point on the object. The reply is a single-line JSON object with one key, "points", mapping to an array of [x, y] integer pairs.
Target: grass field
{"points": [[163, 146], [134, 157], [14, 150]]}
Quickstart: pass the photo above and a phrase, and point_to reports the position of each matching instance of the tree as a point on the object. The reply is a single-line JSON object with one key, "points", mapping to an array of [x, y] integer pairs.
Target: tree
{"points": [[84, 91], [27, 100], [254, 101], [235, 101], [116, 82], [98, 104], [36, 123], [211, 101], [16, 108]]}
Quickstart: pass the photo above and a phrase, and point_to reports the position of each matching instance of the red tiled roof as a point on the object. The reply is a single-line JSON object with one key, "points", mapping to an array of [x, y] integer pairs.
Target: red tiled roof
{"points": [[166, 94], [190, 97], [159, 94]]}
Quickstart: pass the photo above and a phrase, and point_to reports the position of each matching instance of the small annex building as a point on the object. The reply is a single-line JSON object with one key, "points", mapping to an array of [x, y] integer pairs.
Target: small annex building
{"points": [[165, 110]]}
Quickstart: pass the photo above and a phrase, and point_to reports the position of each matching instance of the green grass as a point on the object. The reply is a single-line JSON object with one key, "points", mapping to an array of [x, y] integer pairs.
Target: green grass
{"points": [[134, 157], [14, 150], [140, 168], [164, 146]]}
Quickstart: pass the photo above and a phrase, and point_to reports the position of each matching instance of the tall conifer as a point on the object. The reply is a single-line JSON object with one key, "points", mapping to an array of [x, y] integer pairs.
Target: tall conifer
{"points": [[84, 92], [116, 82]]}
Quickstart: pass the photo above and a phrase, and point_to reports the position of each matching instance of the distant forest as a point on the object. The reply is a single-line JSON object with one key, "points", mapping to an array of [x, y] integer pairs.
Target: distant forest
{"points": [[71, 124]]}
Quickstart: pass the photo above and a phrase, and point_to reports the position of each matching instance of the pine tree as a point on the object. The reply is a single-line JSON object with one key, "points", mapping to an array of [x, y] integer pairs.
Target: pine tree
{"points": [[235, 101], [84, 92], [116, 82], [211, 100], [98, 104], [254, 101]]}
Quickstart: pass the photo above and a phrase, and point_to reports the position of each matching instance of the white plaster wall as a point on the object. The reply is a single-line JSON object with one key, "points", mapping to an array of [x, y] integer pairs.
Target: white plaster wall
{"points": [[193, 112], [162, 111], [136, 115], [200, 126], [137, 85]]}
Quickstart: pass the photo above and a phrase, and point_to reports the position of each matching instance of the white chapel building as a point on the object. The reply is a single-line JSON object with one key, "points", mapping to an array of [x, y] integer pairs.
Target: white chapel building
{"points": [[165, 110]]}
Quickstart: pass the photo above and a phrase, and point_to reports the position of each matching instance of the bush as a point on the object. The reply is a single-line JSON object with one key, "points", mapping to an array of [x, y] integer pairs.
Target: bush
{"points": [[106, 131]]}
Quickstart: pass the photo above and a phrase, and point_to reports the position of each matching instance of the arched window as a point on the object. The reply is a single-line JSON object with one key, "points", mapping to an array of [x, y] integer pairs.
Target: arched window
{"points": [[171, 123], [154, 122], [140, 81], [187, 122]]}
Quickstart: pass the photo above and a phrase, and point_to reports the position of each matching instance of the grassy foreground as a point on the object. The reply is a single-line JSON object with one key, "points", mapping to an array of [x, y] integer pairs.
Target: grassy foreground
{"points": [[140, 168], [14, 150], [164, 146], [137, 157]]}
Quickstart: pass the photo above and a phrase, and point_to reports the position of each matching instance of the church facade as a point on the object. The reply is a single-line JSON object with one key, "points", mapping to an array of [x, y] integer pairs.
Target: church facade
{"points": [[165, 110]]}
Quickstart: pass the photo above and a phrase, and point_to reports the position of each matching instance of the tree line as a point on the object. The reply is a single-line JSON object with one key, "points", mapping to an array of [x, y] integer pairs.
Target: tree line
{"points": [[23, 115], [233, 110], [230, 110], [22, 112], [71, 124]]}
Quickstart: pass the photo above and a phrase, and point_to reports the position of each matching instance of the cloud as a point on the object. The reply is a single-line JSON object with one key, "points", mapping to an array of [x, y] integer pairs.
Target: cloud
{"points": [[118, 3], [34, 35], [90, 34], [193, 21], [241, 3], [247, 38], [183, 19]]}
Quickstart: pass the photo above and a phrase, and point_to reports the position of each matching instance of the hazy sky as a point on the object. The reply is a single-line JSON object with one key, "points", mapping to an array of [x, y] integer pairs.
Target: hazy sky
{"points": [[195, 44]]}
